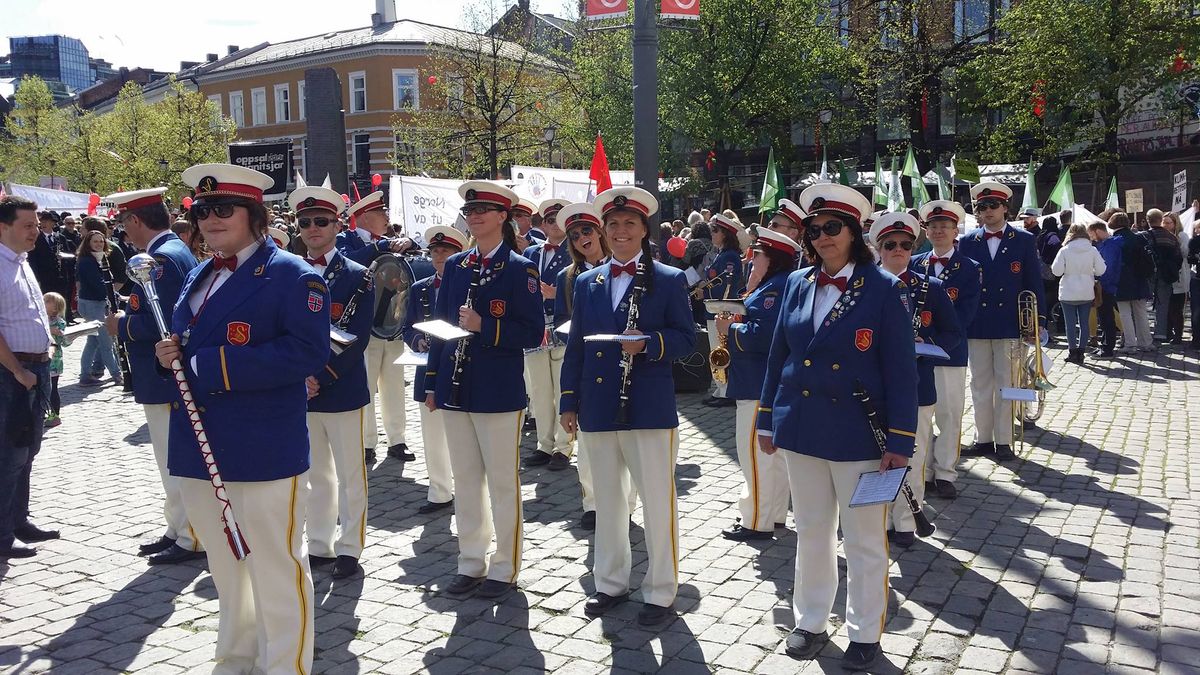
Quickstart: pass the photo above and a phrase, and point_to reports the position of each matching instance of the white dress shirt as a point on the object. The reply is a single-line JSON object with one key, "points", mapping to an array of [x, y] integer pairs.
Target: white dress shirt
{"points": [[160, 235], [619, 284], [197, 298], [827, 296], [938, 267], [993, 243]]}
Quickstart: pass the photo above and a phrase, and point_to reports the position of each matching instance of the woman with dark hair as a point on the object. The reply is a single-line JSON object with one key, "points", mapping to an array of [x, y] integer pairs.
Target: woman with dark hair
{"points": [[723, 281], [843, 332], [620, 395], [251, 324], [492, 292], [764, 499], [95, 252]]}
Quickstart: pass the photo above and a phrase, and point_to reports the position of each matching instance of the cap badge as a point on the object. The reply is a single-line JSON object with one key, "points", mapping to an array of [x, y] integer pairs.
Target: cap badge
{"points": [[620, 200], [937, 211], [471, 195], [817, 203], [309, 202], [207, 184]]}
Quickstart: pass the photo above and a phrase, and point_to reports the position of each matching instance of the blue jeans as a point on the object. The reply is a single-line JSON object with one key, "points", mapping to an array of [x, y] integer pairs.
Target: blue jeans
{"points": [[16, 455], [1077, 316], [99, 344]]}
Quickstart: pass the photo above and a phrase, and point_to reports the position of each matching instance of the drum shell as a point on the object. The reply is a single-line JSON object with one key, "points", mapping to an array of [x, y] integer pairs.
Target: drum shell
{"points": [[394, 278]]}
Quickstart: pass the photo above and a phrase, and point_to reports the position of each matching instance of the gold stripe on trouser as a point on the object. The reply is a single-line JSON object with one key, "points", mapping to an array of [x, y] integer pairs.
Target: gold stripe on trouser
{"points": [[901, 514], [518, 528], [821, 491], [752, 503], [437, 455], [338, 480], [362, 467], [300, 580]]}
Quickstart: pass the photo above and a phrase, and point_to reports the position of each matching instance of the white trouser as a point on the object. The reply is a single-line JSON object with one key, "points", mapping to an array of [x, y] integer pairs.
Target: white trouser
{"points": [[764, 499], [265, 618], [951, 384], [1135, 323], [713, 341], [158, 418], [991, 370], [487, 491], [821, 492], [649, 457], [338, 481], [585, 480], [387, 378], [437, 455], [542, 370], [901, 518]]}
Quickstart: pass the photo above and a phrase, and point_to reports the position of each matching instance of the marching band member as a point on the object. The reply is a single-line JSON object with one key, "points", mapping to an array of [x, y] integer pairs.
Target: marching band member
{"points": [[363, 245], [960, 278], [542, 366], [522, 215], [788, 220], [764, 500], [1009, 262], [251, 324], [422, 298], [492, 292], [842, 325], [934, 320], [148, 227], [589, 249], [725, 278], [621, 397], [337, 394]]}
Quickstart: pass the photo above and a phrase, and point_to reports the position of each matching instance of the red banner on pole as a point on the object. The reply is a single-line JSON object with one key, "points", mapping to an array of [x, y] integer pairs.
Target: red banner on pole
{"points": [[680, 9], [604, 9]]}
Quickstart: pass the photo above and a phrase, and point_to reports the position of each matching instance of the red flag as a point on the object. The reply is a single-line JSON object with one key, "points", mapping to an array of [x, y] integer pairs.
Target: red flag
{"points": [[1180, 64], [681, 9], [1039, 98], [599, 172], [604, 9]]}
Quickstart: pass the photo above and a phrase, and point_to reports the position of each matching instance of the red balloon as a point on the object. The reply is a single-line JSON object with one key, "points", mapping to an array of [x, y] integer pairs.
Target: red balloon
{"points": [[93, 199], [376, 180], [676, 246], [432, 79], [187, 202], [345, 197]]}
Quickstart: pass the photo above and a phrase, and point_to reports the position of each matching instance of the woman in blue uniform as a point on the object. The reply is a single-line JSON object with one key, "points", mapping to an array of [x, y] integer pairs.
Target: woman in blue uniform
{"points": [[843, 327], [723, 282], [764, 500], [492, 292], [251, 324], [621, 397]]}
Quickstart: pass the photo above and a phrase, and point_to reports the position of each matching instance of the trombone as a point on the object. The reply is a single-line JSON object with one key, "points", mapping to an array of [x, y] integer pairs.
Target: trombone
{"points": [[1028, 372]]}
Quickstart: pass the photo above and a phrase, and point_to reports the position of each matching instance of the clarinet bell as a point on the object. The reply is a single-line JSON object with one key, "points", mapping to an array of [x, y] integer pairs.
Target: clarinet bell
{"points": [[924, 527]]}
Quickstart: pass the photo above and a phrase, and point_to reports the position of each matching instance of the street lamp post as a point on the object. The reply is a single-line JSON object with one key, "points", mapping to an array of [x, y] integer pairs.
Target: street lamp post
{"points": [[550, 134], [163, 167], [52, 177]]}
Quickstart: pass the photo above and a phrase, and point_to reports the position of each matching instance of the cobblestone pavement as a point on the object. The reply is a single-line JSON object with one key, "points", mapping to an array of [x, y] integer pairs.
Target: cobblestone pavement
{"points": [[1082, 558]]}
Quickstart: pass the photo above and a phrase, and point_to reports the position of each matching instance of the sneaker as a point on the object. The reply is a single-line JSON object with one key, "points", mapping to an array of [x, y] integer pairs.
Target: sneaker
{"points": [[53, 421], [89, 382]]}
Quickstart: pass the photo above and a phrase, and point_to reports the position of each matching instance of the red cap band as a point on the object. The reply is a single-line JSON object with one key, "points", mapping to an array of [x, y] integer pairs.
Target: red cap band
{"points": [[777, 245], [627, 204], [791, 215], [474, 196], [314, 203], [369, 207], [580, 218], [139, 203]]}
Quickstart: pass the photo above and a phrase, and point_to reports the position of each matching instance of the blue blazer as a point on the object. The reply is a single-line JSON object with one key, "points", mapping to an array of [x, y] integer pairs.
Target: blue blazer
{"points": [[1016, 268], [591, 372], [939, 326], [257, 339], [421, 299], [749, 342], [867, 337], [509, 301], [728, 266], [343, 380], [560, 260], [138, 330], [353, 247], [961, 282]]}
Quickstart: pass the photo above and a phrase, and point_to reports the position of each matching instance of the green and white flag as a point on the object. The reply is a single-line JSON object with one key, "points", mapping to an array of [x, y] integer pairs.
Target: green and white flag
{"points": [[919, 194], [772, 190], [944, 191], [1063, 193], [1030, 201], [879, 195], [823, 177], [1114, 202]]}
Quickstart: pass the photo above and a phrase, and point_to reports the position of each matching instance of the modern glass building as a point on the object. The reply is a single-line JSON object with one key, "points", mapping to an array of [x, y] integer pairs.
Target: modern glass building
{"points": [[56, 58]]}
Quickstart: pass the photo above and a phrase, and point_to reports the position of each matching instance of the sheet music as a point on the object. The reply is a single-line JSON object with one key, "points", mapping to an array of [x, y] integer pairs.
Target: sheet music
{"points": [[731, 306], [878, 488], [412, 359], [81, 329], [565, 329], [441, 330], [931, 351], [691, 276], [609, 337]]}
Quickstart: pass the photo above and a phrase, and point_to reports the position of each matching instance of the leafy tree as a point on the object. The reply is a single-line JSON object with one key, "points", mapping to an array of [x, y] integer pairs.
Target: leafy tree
{"points": [[36, 132]]}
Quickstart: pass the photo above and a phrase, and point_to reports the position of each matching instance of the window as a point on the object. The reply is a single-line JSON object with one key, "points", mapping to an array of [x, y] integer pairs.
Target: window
{"points": [[215, 100], [405, 95], [458, 87], [300, 92], [836, 15], [283, 103], [971, 19], [258, 106], [802, 134], [362, 155], [408, 157], [236, 109], [303, 150], [358, 92], [891, 124]]}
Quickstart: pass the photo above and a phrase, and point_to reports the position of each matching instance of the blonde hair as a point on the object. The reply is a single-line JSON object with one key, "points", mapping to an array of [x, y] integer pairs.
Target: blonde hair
{"points": [[56, 305], [1077, 231]]}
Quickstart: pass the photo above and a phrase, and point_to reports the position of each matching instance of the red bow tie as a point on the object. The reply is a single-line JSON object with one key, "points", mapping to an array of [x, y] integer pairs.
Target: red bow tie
{"points": [[992, 235], [617, 270], [437, 282], [375, 237], [220, 263], [550, 247], [906, 277], [316, 261], [934, 260], [824, 279], [474, 258]]}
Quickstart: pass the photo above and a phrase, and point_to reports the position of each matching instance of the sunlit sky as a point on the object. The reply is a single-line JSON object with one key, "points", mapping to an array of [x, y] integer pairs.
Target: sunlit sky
{"points": [[157, 34]]}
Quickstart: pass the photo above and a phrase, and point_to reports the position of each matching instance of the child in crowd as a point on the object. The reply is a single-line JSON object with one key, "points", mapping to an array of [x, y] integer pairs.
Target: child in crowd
{"points": [[56, 310]]}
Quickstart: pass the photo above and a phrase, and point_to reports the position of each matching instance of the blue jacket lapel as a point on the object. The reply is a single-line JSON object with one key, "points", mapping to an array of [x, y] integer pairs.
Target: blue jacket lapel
{"points": [[845, 304], [602, 298], [238, 288]]}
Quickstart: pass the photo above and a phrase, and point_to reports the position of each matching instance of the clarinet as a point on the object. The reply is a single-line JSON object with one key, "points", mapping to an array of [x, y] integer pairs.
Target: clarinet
{"points": [[460, 349], [122, 355], [924, 527], [635, 296], [921, 303]]}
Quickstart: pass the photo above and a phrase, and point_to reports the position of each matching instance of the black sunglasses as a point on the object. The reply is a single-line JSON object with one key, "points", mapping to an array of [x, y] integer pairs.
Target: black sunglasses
{"points": [[305, 223], [478, 209], [987, 204], [891, 245], [220, 210], [581, 231], [831, 228]]}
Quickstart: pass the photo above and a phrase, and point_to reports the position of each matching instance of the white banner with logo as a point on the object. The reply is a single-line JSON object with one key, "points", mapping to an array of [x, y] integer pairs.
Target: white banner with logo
{"points": [[537, 183], [54, 200], [419, 203]]}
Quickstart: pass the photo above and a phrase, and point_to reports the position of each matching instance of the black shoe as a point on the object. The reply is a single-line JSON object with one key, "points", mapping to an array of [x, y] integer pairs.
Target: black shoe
{"points": [[930, 486], [320, 560], [432, 507], [174, 555], [944, 489], [493, 588], [400, 451], [529, 424], [978, 450], [462, 584], [714, 402], [31, 534], [802, 644], [1004, 453], [739, 533], [598, 603], [588, 521], [537, 458], [902, 539], [345, 566], [558, 462], [860, 655], [654, 615], [15, 551], [153, 547], [781, 526], [369, 456], [1106, 355]]}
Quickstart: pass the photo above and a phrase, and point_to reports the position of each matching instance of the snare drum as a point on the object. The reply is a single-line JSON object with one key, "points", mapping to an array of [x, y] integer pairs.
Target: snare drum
{"points": [[394, 276]]}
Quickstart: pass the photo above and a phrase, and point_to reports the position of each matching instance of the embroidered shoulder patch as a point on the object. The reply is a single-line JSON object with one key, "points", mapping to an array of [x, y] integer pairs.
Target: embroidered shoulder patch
{"points": [[496, 308], [316, 302], [317, 286], [237, 333], [953, 293], [335, 310], [862, 339], [1015, 268]]}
